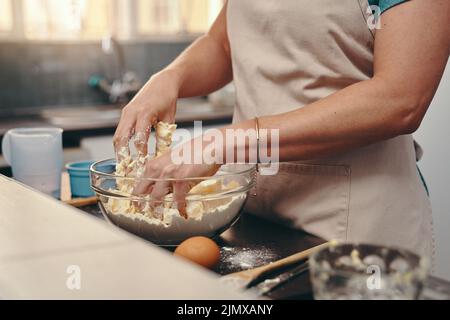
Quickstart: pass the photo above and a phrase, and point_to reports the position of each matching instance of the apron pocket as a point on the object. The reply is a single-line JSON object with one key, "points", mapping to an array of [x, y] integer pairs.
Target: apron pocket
{"points": [[312, 197]]}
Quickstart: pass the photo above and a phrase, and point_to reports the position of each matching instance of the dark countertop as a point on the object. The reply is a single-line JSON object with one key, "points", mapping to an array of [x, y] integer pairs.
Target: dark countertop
{"points": [[262, 242], [253, 242]]}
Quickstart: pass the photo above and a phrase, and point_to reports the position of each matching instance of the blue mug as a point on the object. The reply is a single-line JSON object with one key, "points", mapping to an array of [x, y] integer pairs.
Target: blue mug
{"points": [[80, 182]]}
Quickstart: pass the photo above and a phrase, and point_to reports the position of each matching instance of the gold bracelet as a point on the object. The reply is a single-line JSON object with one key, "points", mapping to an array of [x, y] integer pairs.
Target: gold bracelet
{"points": [[258, 159]]}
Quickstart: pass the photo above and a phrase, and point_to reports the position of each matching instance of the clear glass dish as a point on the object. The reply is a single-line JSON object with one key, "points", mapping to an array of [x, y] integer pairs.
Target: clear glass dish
{"points": [[213, 205], [367, 272]]}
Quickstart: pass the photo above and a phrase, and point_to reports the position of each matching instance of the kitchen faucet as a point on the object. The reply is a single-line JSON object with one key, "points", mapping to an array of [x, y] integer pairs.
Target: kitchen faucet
{"points": [[126, 84]]}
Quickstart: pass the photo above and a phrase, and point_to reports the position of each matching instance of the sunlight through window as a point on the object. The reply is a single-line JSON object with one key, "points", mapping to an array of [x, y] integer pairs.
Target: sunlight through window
{"points": [[66, 19], [6, 21], [176, 16], [94, 19]]}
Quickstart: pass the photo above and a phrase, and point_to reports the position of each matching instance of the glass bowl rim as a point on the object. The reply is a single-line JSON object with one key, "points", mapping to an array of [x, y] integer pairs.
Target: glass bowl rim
{"points": [[421, 269], [189, 197], [250, 170]]}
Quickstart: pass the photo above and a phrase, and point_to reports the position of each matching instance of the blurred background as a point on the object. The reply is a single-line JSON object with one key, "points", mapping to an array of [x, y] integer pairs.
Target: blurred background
{"points": [[51, 48], [75, 63]]}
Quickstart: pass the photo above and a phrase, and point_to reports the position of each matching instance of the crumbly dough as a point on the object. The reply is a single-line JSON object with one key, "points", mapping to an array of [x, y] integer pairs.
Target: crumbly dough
{"points": [[165, 213], [164, 133]]}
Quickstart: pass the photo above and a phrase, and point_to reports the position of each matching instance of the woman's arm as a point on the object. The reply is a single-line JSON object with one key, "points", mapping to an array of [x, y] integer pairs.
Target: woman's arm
{"points": [[203, 68], [206, 65], [411, 51]]}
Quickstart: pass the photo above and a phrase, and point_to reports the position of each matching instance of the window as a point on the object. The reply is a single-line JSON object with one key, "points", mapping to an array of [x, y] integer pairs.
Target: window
{"points": [[196, 15], [6, 21], [93, 19], [158, 16], [176, 16], [66, 19]]}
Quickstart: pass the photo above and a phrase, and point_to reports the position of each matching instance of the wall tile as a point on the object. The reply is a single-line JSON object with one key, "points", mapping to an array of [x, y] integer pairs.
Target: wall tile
{"points": [[36, 75]]}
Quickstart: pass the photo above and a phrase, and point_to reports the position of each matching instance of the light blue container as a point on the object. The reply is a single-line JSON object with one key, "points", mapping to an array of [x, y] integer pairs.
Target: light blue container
{"points": [[80, 183]]}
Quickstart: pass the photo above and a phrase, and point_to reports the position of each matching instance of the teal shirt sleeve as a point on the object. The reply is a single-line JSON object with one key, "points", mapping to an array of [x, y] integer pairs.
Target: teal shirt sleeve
{"points": [[385, 4]]}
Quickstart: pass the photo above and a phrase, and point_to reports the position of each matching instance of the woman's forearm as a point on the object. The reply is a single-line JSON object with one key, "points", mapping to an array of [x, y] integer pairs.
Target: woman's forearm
{"points": [[202, 69], [356, 116], [205, 66], [407, 72], [359, 115]]}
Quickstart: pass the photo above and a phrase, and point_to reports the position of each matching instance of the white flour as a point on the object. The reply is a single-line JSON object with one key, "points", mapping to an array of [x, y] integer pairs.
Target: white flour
{"points": [[238, 259], [173, 228]]}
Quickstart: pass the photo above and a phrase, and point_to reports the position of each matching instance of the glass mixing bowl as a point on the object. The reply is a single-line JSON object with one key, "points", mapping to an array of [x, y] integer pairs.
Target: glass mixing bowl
{"points": [[213, 205]]}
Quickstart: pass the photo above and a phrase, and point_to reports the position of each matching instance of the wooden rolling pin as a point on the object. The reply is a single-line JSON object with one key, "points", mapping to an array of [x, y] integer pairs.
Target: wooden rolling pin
{"points": [[247, 278]]}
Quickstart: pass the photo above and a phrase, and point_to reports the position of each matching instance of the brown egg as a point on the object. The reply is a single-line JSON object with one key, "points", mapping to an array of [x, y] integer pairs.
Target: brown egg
{"points": [[200, 250]]}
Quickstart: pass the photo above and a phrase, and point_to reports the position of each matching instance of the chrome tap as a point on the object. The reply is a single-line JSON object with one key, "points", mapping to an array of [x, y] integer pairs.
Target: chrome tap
{"points": [[126, 84]]}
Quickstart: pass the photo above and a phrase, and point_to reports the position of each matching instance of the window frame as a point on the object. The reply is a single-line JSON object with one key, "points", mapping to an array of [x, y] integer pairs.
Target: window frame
{"points": [[123, 27], [17, 30]]}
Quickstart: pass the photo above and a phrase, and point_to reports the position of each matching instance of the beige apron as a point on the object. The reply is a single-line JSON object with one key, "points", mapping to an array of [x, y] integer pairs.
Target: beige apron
{"points": [[290, 53]]}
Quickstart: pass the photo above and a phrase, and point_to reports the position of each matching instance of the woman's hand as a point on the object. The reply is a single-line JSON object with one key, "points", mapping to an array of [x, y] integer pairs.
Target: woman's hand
{"points": [[155, 102], [163, 167], [204, 67]]}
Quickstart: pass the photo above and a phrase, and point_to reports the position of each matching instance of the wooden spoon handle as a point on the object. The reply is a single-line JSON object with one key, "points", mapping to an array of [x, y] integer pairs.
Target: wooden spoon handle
{"points": [[298, 257], [81, 202], [292, 259], [65, 193]]}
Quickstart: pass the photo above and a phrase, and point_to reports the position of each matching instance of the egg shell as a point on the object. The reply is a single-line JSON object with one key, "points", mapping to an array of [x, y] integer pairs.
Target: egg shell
{"points": [[200, 250]]}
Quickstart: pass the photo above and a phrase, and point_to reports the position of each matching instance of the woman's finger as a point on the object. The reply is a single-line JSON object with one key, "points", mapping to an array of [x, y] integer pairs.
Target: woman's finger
{"points": [[160, 190], [143, 128], [144, 185], [169, 117], [143, 131], [124, 132], [180, 190]]}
